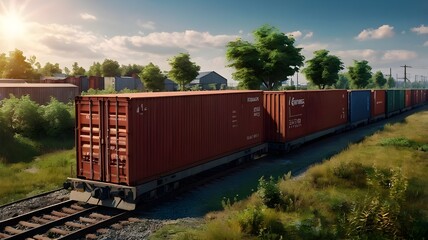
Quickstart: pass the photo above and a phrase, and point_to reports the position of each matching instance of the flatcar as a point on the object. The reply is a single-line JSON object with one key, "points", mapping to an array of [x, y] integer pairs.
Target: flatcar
{"points": [[131, 147]]}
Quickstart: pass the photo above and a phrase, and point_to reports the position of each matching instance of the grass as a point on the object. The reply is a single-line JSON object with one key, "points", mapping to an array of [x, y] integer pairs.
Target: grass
{"points": [[376, 189], [27, 172]]}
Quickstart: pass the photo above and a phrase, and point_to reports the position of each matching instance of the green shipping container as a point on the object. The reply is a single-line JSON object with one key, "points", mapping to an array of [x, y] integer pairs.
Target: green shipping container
{"points": [[392, 102], [401, 99]]}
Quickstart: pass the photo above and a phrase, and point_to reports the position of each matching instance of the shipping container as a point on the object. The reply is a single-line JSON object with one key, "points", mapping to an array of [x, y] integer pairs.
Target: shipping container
{"points": [[40, 92], [294, 117], [408, 99], [359, 106], [6, 80], [121, 83], [96, 83], [401, 99], [130, 139], [81, 82], [378, 102], [392, 102]]}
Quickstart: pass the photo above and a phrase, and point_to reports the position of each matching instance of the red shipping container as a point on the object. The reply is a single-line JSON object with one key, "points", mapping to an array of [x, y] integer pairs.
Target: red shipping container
{"points": [[133, 138], [378, 104], [408, 98], [291, 115], [96, 82]]}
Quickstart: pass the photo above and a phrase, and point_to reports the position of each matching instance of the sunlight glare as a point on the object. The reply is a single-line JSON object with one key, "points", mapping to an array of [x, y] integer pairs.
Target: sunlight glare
{"points": [[12, 25]]}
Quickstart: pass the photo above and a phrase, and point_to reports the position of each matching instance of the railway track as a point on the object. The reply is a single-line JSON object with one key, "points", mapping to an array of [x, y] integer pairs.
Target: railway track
{"points": [[66, 220]]}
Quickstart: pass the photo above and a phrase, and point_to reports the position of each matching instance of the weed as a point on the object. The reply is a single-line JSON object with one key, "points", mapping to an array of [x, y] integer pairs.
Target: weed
{"points": [[269, 192]]}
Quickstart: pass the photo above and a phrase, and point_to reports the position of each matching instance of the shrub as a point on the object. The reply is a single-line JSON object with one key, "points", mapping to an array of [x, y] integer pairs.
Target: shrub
{"points": [[23, 115], [57, 118], [269, 192]]}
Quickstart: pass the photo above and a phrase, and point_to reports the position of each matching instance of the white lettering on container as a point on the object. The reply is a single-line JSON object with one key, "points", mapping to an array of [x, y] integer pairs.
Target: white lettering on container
{"points": [[256, 112], [295, 102], [253, 136], [294, 123], [252, 99]]}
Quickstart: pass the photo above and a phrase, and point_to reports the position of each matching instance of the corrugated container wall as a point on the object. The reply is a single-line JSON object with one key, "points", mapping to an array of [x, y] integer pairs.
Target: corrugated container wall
{"points": [[133, 138], [359, 106], [40, 92], [96, 82], [392, 100], [378, 102], [291, 115], [408, 98], [121, 83], [401, 98]]}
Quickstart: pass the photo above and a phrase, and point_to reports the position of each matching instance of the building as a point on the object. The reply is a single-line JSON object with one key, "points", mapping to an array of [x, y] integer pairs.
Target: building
{"points": [[121, 83], [40, 92], [209, 81]]}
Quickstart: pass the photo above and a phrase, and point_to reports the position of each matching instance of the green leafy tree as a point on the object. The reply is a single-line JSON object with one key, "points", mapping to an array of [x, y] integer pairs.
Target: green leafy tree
{"points": [[50, 69], [270, 60], [342, 83], [131, 70], [323, 69], [360, 73], [77, 70], [183, 71], [390, 82], [3, 63], [67, 71], [379, 79], [152, 78], [95, 70], [110, 68], [17, 67]]}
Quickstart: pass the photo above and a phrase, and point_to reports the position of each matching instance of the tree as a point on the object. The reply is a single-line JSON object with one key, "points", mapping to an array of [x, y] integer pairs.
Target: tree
{"points": [[110, 68], [390, 82], [17, 67], [152, 78], [360, 73], [76, 70], [183, 71], [67, 70], [323, 69], [379, 79], [95, 70], [3, 63], [131, 70], [342, 83], [50, 69], [271, 59]]}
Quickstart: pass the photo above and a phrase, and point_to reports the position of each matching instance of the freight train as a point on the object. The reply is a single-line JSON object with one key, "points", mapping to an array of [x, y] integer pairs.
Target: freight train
{"points": [[133, 147]]}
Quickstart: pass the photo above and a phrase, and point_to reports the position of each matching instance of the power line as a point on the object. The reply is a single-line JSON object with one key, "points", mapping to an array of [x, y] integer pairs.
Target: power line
{"points": [[405, 73]]}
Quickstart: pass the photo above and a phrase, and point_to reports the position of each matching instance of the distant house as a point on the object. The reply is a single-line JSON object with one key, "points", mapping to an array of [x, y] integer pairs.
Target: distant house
{"points": [[210, 81], [170, 85]]}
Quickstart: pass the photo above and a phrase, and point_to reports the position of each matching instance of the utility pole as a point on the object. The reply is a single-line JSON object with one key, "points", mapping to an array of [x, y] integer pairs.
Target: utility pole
{"points": [[405, 73]]}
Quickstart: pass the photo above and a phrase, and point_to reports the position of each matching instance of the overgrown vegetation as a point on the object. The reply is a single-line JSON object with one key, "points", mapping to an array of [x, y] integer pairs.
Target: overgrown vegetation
{"points": [[29, 129], [376, 189]]}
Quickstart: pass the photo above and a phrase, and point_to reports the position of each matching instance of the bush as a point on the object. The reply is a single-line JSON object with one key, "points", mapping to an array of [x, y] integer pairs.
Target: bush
{"points": [[269, 192], [57, 118], [23, 115]]}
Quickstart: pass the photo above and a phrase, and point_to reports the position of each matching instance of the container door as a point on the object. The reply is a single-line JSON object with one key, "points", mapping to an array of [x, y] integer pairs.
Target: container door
{"points": [[115, 139], [88, 131]]}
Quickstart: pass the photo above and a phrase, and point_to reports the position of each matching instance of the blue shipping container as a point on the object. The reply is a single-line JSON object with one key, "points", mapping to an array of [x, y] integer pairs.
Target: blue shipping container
{"points": [[359, 106]]}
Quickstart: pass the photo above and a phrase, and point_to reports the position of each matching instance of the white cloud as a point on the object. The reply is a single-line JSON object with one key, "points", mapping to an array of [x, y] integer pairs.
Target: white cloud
{"points": [[87, 16], [295, 34], [382, 32], [359, 54], [308, 35], [399, 55], [241, 31], [147, 25], [420, 30]]}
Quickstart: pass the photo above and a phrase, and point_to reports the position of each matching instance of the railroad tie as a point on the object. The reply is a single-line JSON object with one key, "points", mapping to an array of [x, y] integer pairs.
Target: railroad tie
{"points": [[88, 220], [12, 230], [59, 214], [59, 231], [91, 236], [97, 215], [4, 235], [75, 225], [77, 207], [50, 217], [40, 220], [29, 224], [69, 210], [41, 237]]}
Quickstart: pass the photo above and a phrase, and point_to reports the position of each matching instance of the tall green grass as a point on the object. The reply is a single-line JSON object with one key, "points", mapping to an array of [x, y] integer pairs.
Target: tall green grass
{"points": [[376, 189], [44, 173]]}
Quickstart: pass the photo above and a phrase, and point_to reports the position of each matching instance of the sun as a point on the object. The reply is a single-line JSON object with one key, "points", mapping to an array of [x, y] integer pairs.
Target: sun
{"points": [[12, 25]]}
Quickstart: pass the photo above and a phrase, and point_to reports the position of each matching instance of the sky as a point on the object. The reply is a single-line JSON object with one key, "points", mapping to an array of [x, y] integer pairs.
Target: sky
{"points": [[387, 33]]}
